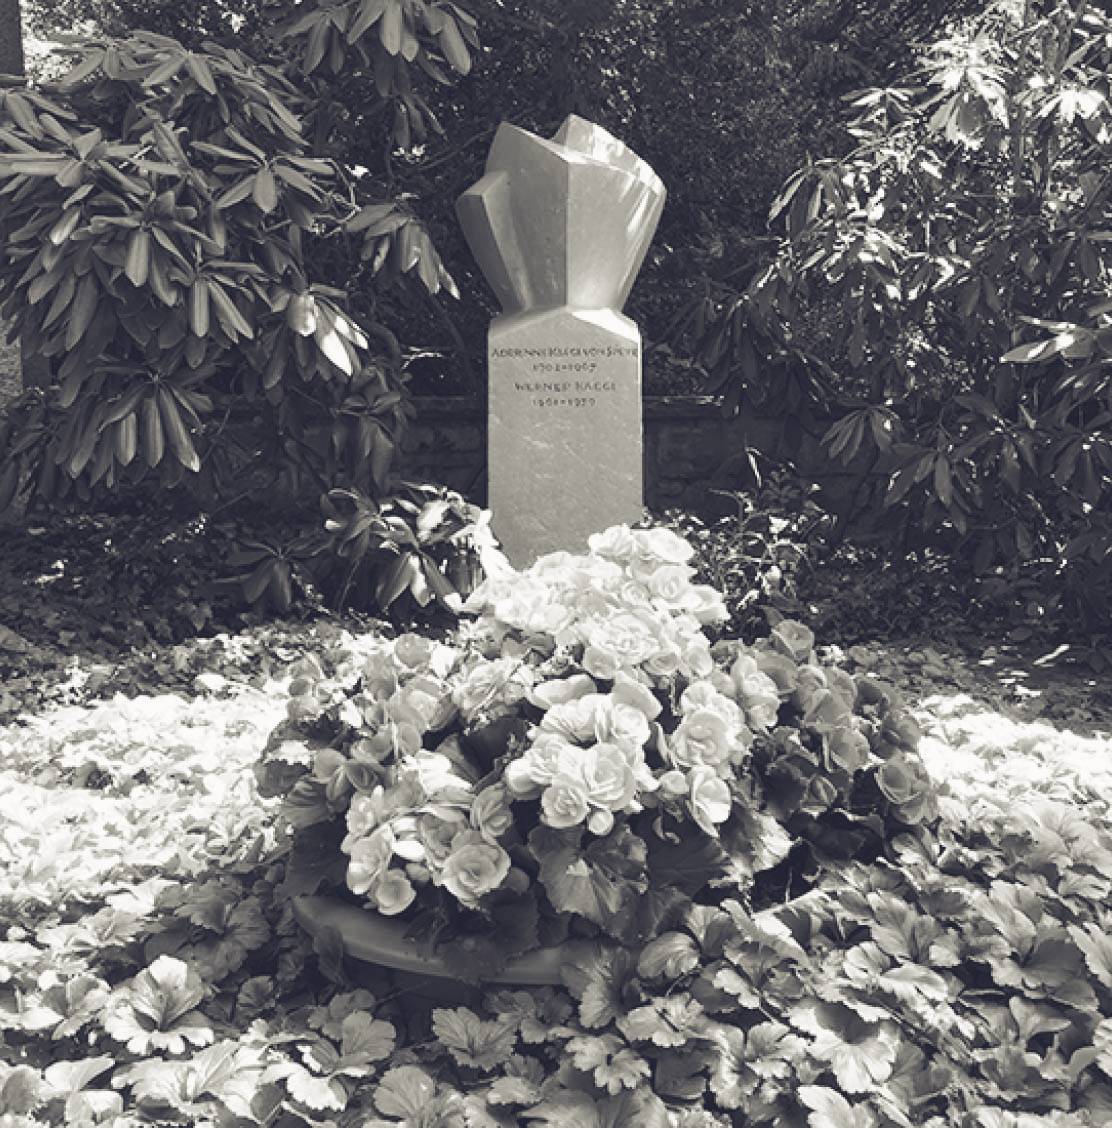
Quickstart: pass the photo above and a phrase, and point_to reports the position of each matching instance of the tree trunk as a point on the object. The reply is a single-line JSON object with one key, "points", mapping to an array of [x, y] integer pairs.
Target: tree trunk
{"points": [[11, 38], [36, 368]]}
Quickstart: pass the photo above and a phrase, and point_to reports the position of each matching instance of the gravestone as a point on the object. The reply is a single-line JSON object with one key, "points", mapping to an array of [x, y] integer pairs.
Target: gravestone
{"points": [[560, 228]]}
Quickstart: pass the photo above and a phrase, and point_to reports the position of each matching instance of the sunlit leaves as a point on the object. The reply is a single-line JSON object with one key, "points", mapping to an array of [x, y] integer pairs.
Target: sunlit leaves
{"points": [[829, 1109], [671, 955], [165, 242], [406, 1093], [472, 1041], [597, 976], [668, 1022], [937, 279], [860, 1053], [157, 1009]]}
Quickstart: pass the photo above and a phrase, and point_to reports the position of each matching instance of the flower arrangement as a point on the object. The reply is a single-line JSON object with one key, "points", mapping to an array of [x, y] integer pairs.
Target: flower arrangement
{"points": [[580, 757]]}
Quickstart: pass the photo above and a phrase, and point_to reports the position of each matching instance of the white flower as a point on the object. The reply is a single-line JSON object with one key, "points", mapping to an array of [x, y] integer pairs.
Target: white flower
{"points": [[756, 692], [538, 765], [474, 869], [367, 810], [615, 543], [600, 663], [490, 813], [708, 800], [704, 738], [559, 691], [662, 546], [491, 685], [670, 585], [606, 775], [703, 695], [437, 833], [368, 859], [573, 720], [564, 803], [707, 604], [429, 702], [629, 637], [673, 784], [618, 723], [628, 691], [437, 776], [394, 893]]}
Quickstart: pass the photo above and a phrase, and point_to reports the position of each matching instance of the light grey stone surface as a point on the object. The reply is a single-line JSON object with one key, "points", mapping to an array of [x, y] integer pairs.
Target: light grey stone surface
{"points": [[560, 229], [564, 432]]}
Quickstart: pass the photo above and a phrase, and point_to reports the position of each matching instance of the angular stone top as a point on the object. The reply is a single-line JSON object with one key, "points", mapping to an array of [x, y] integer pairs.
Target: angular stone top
{"points": [[561, 222]]}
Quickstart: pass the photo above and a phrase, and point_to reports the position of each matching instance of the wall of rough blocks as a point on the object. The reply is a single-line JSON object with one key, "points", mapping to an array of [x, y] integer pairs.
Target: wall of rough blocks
{"points": [[691, 452]]}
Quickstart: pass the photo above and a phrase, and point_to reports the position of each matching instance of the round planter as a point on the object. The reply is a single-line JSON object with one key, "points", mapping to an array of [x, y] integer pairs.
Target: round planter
{"points": [[380, 940]]}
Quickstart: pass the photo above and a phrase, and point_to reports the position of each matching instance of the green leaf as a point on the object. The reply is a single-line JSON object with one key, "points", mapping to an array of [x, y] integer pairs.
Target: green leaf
{"points": [[369, 13], [474, 1042], [315, 860], [264, 191], [166, 991], [138, 263], [201, 73], [597, 975], [602, 882], [236, 193], [82, 311], [689, 865], [641, 1107], [453, 47], [392, 28], [1096, 947], [396, 578], [406, 1092], [66, 1077], [1031, 353], [231, 319], [829, 1109]]}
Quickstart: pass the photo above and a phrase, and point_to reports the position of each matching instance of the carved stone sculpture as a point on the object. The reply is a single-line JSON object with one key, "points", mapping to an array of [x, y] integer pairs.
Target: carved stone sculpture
{"points": [[560, 229]]}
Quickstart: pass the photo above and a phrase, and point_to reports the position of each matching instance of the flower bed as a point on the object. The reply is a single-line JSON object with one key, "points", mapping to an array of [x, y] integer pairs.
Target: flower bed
{"points": [[580, 759], [949, 973]]}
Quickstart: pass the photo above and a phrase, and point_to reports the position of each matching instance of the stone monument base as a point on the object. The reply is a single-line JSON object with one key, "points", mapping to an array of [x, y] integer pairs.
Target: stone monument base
{"points": [[564, 436]]}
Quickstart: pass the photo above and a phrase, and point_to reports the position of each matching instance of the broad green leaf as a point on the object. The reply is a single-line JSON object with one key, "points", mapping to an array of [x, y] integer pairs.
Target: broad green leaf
{"points": [[829, 1109], [406, 1092], [453, 47], [1096, 947], [265, 191], [391, 29], [138, 263], [369, 12], [474, 1042], [601, 881], [82, 311], [166, 990]]}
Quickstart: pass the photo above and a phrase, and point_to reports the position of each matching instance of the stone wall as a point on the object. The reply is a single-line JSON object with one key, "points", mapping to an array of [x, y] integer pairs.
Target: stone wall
{"points": [[691, 451]]}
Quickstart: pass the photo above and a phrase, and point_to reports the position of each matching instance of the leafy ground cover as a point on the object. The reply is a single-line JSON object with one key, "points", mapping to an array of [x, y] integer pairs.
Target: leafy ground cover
{"points": [[150, 969]]}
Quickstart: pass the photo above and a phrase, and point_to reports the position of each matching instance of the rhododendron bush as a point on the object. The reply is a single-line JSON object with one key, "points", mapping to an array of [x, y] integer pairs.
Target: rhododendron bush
{"points": [[580, 758]]}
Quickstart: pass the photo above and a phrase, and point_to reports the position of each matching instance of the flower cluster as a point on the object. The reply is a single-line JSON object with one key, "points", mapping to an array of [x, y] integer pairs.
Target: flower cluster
{"points": [[582, 701]]}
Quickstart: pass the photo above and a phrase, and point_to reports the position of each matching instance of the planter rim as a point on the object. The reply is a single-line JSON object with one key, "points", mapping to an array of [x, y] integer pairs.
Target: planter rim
{"points": [[376, 939]]}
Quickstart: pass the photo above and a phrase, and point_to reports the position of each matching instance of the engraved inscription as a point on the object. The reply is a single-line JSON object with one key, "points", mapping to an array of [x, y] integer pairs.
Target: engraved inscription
{"points": [[580, 364]]}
